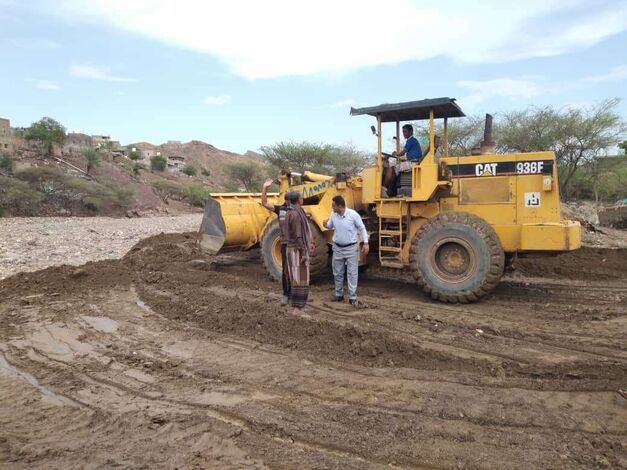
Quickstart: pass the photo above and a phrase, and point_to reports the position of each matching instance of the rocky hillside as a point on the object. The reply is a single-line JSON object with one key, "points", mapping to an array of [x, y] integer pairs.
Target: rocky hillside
{"points": [[34, 183], [202, 156]]}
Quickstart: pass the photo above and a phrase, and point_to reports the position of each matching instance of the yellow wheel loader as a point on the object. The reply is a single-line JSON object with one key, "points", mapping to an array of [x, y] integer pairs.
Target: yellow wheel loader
{"points": [[454, 223]]}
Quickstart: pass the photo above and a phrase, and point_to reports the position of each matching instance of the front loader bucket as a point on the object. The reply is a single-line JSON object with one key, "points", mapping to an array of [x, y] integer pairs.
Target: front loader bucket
{"points": [[212, 228], [233, 220]]}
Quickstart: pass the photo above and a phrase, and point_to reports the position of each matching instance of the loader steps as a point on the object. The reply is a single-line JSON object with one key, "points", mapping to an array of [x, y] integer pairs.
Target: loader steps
{"points": [[392, 264], [392, 234], [393, 249]]}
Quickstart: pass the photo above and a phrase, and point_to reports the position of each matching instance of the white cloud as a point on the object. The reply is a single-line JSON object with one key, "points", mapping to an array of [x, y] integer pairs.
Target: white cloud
{"points": [[523, 88], [616, 74], [43, 84], [282, 37], [217, 100], [97, 73], [338, 104], [483, 90]]}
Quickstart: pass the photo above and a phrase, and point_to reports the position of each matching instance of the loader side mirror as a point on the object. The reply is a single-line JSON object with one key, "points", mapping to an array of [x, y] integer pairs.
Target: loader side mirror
{"points": [[374, 130]]}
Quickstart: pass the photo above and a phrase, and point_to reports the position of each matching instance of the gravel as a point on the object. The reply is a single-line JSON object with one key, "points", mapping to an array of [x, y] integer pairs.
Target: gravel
{"points": [[33, 243]]}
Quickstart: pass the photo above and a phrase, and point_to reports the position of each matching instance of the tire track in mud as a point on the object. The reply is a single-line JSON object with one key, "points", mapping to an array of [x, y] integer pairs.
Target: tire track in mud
{"points": [[285, 436], [379, 409], [374, 344], [465, 315], [219, 413], [557, 344], [244, 422], [345, 408], [253, 295], [245, 345]]}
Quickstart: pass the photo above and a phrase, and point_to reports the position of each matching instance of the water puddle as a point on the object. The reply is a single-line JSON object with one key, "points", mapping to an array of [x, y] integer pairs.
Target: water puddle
{"points": [[143, 306], [49, 395], [103, 324], [60, 342]]}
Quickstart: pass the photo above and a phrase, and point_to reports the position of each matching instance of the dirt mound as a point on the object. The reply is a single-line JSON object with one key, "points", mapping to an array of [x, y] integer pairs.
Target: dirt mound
{"points": [[585, 263], [65, 280]]}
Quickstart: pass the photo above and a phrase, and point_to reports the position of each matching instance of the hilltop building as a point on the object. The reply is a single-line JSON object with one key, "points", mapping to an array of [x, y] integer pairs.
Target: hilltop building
{"points": [[6, 136]]}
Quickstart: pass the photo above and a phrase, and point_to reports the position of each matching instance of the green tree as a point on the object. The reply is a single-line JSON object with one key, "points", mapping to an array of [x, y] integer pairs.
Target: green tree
{"points": [[577, 136], [247, 173], [316, 157], [463, 134], [48, 132], [93, 159], [623, 146], [189, 170], [158, 163]]}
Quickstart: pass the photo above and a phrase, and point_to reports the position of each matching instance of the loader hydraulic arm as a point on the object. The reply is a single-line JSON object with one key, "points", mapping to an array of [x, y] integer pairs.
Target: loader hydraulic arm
{"points": [[312, 184]]}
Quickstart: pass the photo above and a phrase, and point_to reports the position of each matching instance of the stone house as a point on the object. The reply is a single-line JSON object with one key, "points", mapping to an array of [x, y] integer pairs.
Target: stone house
{"points": [[75, 142], [100, 140], [176, 163], [6, 136], [148, 153]]}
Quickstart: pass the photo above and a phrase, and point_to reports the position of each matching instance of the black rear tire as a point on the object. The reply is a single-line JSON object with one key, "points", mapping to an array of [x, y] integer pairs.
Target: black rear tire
{"points": [[456, 257], [271, 252]]}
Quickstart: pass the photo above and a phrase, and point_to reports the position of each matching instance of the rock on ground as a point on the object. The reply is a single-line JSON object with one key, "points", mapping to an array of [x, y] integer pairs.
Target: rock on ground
{"points": [[33, 243]]}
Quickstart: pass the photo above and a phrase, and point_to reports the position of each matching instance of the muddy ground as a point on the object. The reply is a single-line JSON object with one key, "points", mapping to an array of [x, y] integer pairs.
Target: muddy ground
{"points": [[162, 360]]}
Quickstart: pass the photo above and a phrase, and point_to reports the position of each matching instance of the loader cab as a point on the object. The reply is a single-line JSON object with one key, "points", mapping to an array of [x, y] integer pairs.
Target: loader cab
{"points": [[414, 182]]}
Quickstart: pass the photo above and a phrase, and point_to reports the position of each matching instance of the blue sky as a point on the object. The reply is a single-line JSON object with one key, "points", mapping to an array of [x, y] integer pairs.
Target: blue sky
{"points": [[252, 73]]}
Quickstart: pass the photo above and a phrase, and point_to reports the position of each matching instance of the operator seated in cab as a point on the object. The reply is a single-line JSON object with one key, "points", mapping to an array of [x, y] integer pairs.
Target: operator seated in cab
{"points": [[410, 155], [412, 151]]}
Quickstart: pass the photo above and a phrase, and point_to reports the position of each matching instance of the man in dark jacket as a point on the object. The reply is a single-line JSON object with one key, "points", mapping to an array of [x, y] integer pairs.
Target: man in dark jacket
{"points": [[280, 211]]}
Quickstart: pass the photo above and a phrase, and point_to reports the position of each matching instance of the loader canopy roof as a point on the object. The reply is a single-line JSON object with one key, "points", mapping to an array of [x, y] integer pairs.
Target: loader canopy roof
{"points": [[412, 110]]}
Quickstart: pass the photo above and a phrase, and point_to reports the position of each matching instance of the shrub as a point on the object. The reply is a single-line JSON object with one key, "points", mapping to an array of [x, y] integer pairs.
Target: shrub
{"points": [[6, 163], [18, 197], [205, 172], [158, 163], [197, 194], [134, 155], [134, 169], [93, 159], [68, 190], [189, 170], [193, 194], [116, 194]]}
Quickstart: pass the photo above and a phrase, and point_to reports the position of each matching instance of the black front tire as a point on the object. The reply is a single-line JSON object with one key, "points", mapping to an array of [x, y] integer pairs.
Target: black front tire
{"points": [[270, 252], [456, 257]]}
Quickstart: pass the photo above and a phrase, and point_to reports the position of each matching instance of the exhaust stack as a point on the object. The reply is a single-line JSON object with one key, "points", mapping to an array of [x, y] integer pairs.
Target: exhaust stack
{"points": [[488, 145]]}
